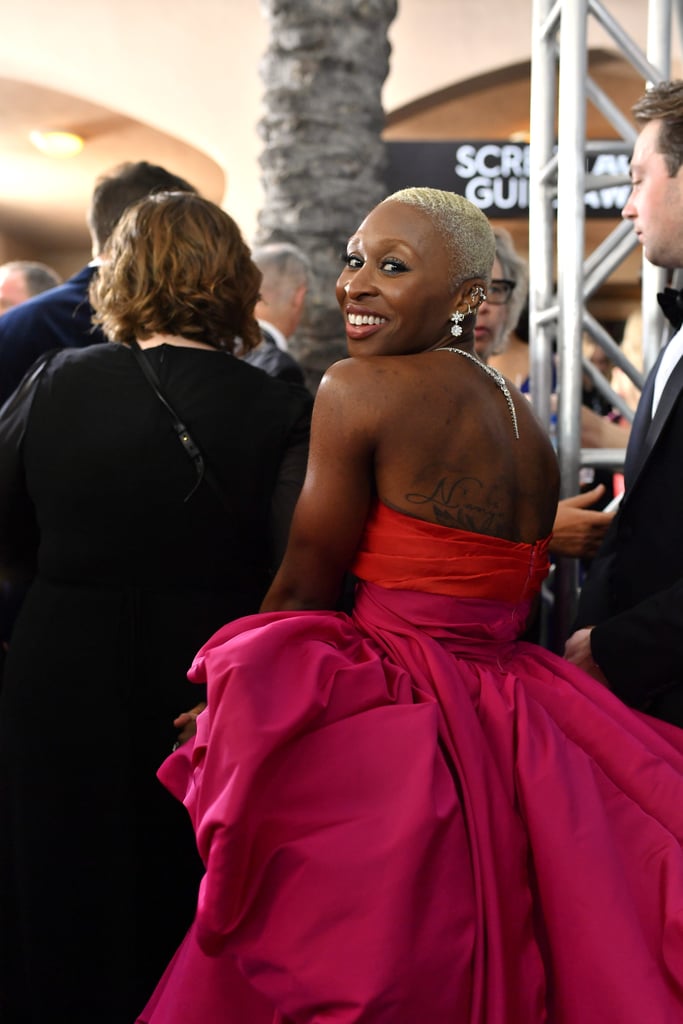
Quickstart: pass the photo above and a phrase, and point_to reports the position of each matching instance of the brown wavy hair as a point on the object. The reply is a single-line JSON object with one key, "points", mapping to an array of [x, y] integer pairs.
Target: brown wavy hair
{"points": [[177, 264]]}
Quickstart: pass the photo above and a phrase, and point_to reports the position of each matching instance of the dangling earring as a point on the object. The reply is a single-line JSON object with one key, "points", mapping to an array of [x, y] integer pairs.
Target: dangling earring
{"points": [[457, 318], [479, 293]]}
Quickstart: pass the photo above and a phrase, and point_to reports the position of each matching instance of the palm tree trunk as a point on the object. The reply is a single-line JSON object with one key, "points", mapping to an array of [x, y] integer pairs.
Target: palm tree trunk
{"points": [[323, 160]]}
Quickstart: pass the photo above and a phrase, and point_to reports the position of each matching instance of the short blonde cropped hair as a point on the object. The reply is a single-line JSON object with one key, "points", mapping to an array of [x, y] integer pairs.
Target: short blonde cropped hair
{"points": [[177, 264], [464, 228]]}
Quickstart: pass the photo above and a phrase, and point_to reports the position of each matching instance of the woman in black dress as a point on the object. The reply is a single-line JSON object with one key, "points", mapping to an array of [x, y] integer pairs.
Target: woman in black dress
{"points": [[148, 513]]}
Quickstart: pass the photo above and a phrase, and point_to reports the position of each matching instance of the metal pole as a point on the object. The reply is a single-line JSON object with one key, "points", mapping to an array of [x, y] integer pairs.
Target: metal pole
{"points": [[560, 178], [571, 214], [542, 171]]}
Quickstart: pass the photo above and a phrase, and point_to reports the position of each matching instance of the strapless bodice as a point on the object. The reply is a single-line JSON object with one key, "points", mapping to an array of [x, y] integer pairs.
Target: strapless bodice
{"points": [[399, 552]]}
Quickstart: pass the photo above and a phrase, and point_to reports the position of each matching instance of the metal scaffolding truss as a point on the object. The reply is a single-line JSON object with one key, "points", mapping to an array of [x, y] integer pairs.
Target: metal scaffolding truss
{"points": [[562, 277]]}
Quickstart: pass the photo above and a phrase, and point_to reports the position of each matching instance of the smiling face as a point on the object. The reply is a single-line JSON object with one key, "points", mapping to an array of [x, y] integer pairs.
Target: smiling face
{"points": [[655, 205], [395, 291]]}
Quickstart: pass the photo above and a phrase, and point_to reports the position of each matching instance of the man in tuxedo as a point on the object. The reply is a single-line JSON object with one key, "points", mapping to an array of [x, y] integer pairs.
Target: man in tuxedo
{"points": [[62, 316], [630, 619], [285, 270]]}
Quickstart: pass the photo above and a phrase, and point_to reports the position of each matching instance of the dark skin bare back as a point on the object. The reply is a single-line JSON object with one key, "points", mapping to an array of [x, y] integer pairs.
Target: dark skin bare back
{"points": [[426, 431]]}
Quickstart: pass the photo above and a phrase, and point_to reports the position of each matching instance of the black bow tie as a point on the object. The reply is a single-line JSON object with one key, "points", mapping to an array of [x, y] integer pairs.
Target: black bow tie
{"points": [[671, 302]]}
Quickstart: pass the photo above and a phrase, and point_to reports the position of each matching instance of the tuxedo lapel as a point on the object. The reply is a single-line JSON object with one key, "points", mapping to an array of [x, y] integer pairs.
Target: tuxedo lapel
{"points": [[640, 426], [646, 439]]}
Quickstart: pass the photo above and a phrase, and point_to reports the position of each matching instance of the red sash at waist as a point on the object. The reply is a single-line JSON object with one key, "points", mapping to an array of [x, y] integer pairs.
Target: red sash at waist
{"points": [[399, 552]]}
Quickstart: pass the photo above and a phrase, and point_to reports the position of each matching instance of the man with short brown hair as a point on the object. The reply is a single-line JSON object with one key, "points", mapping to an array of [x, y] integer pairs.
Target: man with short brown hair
{"points": [[62, 318], [630, 619]]}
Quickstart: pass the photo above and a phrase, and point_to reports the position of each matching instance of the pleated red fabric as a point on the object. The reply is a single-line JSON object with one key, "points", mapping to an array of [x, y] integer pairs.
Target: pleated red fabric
{"points": [[409, 815]]}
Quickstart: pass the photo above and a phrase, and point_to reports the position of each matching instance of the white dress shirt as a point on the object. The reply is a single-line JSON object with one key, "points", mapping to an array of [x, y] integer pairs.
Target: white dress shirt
{"points": [[672, 353]]}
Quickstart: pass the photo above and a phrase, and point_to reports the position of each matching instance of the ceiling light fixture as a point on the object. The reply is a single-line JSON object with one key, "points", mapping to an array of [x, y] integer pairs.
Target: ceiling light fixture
{"points": [[57, 144], [523, 135]]}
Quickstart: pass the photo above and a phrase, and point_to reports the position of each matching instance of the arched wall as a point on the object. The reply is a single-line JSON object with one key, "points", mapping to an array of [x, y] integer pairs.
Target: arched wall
{"points": [[191, 70]]}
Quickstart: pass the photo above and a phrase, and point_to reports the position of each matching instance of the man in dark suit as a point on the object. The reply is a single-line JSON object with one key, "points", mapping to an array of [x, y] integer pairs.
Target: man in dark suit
{"points": [[630, 618], [285, 270], [62, 317]]}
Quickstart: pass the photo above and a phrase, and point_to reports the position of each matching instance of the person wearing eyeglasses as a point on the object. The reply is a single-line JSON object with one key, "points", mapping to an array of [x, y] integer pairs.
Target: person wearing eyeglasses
{"points": [[578, 530], [500, 338], [505, 298], [500, 342]]}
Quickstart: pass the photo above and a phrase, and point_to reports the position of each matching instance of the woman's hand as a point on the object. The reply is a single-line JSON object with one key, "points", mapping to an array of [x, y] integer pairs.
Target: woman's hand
{"points": [[187, 723]]}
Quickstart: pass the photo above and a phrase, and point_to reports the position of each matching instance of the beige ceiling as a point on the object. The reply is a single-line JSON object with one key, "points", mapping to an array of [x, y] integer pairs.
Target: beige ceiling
{"points": [[43, 200]]}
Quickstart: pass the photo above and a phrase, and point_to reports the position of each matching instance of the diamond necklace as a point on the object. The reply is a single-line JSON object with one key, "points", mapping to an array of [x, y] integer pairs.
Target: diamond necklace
{"points": [[494, 374]]}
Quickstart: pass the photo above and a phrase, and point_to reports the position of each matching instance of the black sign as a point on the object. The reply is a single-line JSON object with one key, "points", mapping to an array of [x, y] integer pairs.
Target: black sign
{"points": [[495, 175]]}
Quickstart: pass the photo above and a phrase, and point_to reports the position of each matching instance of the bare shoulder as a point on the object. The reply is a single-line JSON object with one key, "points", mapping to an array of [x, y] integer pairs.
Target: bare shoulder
{"points": [[364, 371], [369, 382]]}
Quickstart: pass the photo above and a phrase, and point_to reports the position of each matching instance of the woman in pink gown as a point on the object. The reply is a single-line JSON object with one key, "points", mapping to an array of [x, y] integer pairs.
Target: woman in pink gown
{"points": [[406, 814]]}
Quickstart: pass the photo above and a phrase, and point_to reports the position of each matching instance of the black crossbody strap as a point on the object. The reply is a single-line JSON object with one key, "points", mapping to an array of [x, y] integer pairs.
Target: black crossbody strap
{"points": [[187, 441]]}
